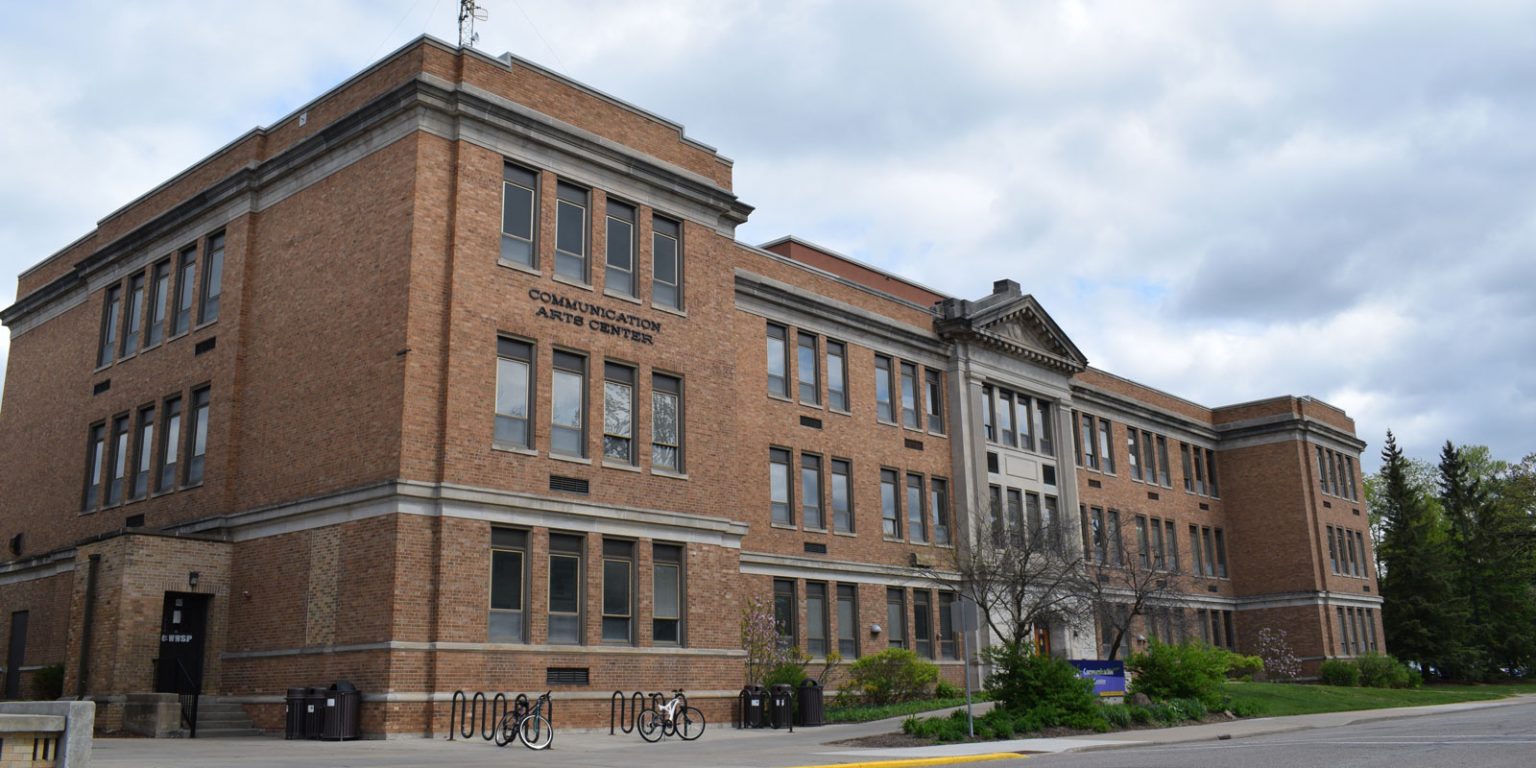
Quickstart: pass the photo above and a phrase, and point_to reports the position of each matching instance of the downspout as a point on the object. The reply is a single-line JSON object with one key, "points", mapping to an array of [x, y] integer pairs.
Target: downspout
{"points": [[85, 629]]}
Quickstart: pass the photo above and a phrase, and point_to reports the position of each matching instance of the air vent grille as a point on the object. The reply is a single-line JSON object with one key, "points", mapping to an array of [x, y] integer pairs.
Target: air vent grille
{"points": [[567, 676], [569, 484]]}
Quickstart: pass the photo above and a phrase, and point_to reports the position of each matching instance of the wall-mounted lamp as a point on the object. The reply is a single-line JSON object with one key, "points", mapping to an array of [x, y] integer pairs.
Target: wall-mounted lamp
{"points": [[192, 579], [874, 629]]}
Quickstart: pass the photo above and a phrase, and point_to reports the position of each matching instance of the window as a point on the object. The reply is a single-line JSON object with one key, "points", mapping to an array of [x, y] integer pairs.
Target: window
{"points": [[135, 330], [842, 496], [667, 585], [848, 621], [909, 395], [996, 507], [213, 277], [199, 436], [778, 486], [1349, 469], [1143, 548], [1354, 559], [884, 410], [666, 263], [917, 512], [1210, 472], [1015, 512], [1197, 452], [666, 422], [1090, 451], [1333, 550], [1106, 446], [987, 417], [1116, 541], [519, 215], [618, 591], [170, 445], [1210, 551], [896, 618], [571, 232], [778, 361], [1033, 514], [619, 413], [811, 511], [619, 276], [947, 647], [1100, 536], [1024, 416], [1159, 561], [784, 612], [1149, 458], [509, 557], [111, 309], [160, 292], [144, 444], [1043, 427], [186, 274], [837, 376], [1322, 469], [1189, 472], [118, 460], [1133, 453], [1221, 554], [1052, 524], [934, 381], [565, 556], [568, 405], [890, 511], [514, 391], [1364, 564], [938, 501], [816, 618], [1003, 407], [95, 462], [1162, 462], [922, 622], [805, 369], [1173, 545], [1194, 549]]}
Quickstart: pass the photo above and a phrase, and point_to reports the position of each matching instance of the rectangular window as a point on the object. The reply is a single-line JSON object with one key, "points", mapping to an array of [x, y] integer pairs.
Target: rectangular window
{"points": [[170, 445], [1196, 452], [1044, 428], [896, 618], [514, 392], [571, 232], [619, 272], [1210, 472], [1349, 468], [909, 396], [509, 557], [134, 332], [778, 360], [1333, 473], [1100, 535], [848, 621], [917, 512], [1115, 539], [1023, 416], [1322, 469], [619, 413], [816, 618], [666, 422], [95, 463], [1163, 478], [1173, 545], [1133, 453], [1143, 546], [1333, 550], [779, 486], [111, 310], [934, 399], [1004, 410], [987, 417], [568, 405], [837, 376], [666, 263], [996, 507], [186, 276], [1016, 511], [842, 496], [947, 646], [565, 556], [805, 369], [213, 278], [884, 409], [667, 586], [1189, 468], [1221, 554], [1338, 535], [1226, 621], [1148, 458], [143, 446], [199, 437], [1158, 560], [1194, 549], [938, 501], [812, 513], [784, 612], [1365, 565], [160, 293], [1106, 446], [1089, 445], [890, 507], [618, 591], [1210, 551], [519, 215], [922, 622], [1033, 514]]}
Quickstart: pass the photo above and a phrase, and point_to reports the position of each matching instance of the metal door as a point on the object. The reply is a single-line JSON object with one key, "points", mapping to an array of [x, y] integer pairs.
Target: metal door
{"points": [[183, 632], [16, 655]]}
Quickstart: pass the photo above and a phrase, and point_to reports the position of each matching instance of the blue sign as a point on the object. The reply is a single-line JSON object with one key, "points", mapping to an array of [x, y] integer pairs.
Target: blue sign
{"points": [[1108, 676]]}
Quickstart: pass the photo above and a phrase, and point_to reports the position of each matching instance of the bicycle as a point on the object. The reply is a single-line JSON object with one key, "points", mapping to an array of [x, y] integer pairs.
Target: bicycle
{"points": [[530, 726], [674, 717]]}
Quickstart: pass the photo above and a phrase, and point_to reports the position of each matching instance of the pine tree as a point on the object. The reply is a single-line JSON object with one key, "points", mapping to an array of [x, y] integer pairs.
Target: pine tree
{"points": [[1464, 500], [1488, 505]]}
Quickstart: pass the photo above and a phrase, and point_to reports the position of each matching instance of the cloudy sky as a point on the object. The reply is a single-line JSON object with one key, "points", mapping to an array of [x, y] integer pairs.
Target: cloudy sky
{"points": [[1224, 200]]}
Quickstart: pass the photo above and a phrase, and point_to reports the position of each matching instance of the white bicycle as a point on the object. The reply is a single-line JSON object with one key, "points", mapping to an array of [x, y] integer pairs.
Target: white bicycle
{"points": [[673, 717]]}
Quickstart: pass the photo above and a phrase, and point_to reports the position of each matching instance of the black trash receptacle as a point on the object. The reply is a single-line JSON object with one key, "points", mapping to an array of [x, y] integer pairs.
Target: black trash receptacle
{"points": [[754, 706], [341, 703], [781, 706], [293, 720], [810, 714], [314, 712]]}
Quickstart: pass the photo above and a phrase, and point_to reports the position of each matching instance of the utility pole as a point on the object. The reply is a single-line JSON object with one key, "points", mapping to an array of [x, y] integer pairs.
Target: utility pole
{"points": [[469, 13]]}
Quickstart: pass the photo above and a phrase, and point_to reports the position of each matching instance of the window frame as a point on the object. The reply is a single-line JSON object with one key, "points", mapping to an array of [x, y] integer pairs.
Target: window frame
{"points": [[111, 326], [781, 512], [159, 303], [807, 370], [120, 440], [837, 375], [922, 614], [938, 503], [184, 296], [780, 334], [896, 597], [890, 515], [577, 552], [508, 544], [557, 429], [620, 376], [211, 285], [143, 452], [508, 350], [911, 417], [626, 215], [812, 615], [919, 534], [621, 553], [133, 314], [849, 594], [663, 228], [526, 179], [663, 386], [843, 521], [812, 499], [675, 558], [95, 467], [168, 463], [571, 199], [885, 407], [197, 422]]}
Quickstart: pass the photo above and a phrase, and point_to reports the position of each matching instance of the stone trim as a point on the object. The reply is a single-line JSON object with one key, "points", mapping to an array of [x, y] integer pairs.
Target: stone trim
{"points": [[775, 300], [396, 646], [790, 566], [44, 566]]}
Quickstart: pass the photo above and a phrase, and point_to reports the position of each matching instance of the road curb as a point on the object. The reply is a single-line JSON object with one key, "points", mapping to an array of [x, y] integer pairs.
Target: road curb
{"points": [[915, 762]]}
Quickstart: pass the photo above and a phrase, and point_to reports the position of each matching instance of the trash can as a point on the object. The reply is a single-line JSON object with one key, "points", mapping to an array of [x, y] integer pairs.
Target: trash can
{"points": [[781, 706], [341, 703], [293, 720], [810, 714], [314, 712], [754, 705]]}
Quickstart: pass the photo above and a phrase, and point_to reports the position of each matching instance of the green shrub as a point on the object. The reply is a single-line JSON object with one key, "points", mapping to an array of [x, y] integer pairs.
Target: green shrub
{"points": [[1117, 715], [944, 689], [1184, 671], [1165, 713], [1243, 708], [1340, 672], [1193, 709], [892, 675], [1379, 671], [48, 682], [790, 673], [1243, 668], [1044, 690], [1139, 715]]}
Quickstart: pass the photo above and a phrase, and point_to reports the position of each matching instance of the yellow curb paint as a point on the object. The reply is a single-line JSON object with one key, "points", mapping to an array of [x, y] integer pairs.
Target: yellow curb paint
{"points": [[921, 761]]}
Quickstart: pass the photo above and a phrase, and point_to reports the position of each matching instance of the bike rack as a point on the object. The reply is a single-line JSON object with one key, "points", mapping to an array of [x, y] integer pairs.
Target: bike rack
{"points": [[624, 711], [478, 714]]}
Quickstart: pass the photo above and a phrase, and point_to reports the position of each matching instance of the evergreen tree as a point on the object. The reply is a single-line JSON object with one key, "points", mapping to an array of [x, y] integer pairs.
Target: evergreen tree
{"points": [[1500, 561], [1464, 500]]}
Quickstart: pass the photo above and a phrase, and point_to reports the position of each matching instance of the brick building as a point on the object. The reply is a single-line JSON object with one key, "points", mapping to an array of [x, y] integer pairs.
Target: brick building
{"points": [[455, 379]]}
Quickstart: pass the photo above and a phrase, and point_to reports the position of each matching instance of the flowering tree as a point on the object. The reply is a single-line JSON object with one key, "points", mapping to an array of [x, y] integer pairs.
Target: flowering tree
{"points": [[760, 639], [1280, 662]]}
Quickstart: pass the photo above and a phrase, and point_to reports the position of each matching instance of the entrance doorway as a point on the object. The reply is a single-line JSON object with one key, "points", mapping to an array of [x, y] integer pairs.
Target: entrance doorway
{"points": [[16, 655], [183, 633]]}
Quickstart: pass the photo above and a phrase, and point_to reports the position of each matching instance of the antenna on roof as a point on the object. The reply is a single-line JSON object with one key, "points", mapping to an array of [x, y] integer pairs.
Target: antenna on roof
{"points": [[469, 13]]}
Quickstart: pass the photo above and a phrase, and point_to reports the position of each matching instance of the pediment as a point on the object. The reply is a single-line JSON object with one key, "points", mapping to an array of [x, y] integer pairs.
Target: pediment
{"points": [[1023, 326]]}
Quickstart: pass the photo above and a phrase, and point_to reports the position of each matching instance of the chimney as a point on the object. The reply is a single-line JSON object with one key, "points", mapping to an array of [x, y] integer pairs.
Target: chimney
{"points": [[1007, 287]]}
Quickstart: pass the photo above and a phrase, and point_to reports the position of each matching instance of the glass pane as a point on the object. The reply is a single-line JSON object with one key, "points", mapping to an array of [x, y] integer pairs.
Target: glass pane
{"points": [[665, 259], [777, 381], [616, 629], [506, 626], [616, 587], [664, 418], [618, 414], [517, 211], [512, 388], [506, 580], [564, 629], [571, 228], [567, 398], [564, 584], [620, 245], [666, 631], [668, 604], [666, 295]]}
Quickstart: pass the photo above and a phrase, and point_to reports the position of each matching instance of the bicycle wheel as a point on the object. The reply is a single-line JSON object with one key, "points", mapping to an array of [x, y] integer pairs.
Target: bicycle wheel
{"points": [[690, 723], [536, 732], [649, 725], [506, 730]]}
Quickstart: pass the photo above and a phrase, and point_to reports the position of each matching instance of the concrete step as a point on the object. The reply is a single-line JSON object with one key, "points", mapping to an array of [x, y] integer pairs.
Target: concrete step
{"points": [[226, 733]]}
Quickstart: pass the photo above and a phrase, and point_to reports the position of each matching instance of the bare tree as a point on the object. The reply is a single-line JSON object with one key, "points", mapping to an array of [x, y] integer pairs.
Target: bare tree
{"points": [[1122, 586]]}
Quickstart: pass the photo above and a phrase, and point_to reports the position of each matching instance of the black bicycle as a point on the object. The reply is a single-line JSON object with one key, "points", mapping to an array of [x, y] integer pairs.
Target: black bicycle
{"points": [[674, 717], [530, 726]]}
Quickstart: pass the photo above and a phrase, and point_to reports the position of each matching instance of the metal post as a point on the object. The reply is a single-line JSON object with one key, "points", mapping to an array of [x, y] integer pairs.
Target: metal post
{"points": [[970, 720], [84, 673]]}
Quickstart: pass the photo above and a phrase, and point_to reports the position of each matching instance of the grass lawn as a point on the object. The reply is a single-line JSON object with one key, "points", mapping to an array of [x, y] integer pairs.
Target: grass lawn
{"points": [[864, 714], [1278, 699]]}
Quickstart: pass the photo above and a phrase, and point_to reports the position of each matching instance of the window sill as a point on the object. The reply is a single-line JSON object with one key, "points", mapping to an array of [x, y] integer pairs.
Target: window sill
{"points": [[623, 297], [813, 406], [809, 529], [881, 421], [619, 466], [918, 430], [849, 534], [570, 459], [669, 473], [783, 527], [192, 486], [932, 433], [201, 326], [574, 283], [158, 494], [517, 449], [839, 412], [668, 310], [525, 269], [780, 398]]}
